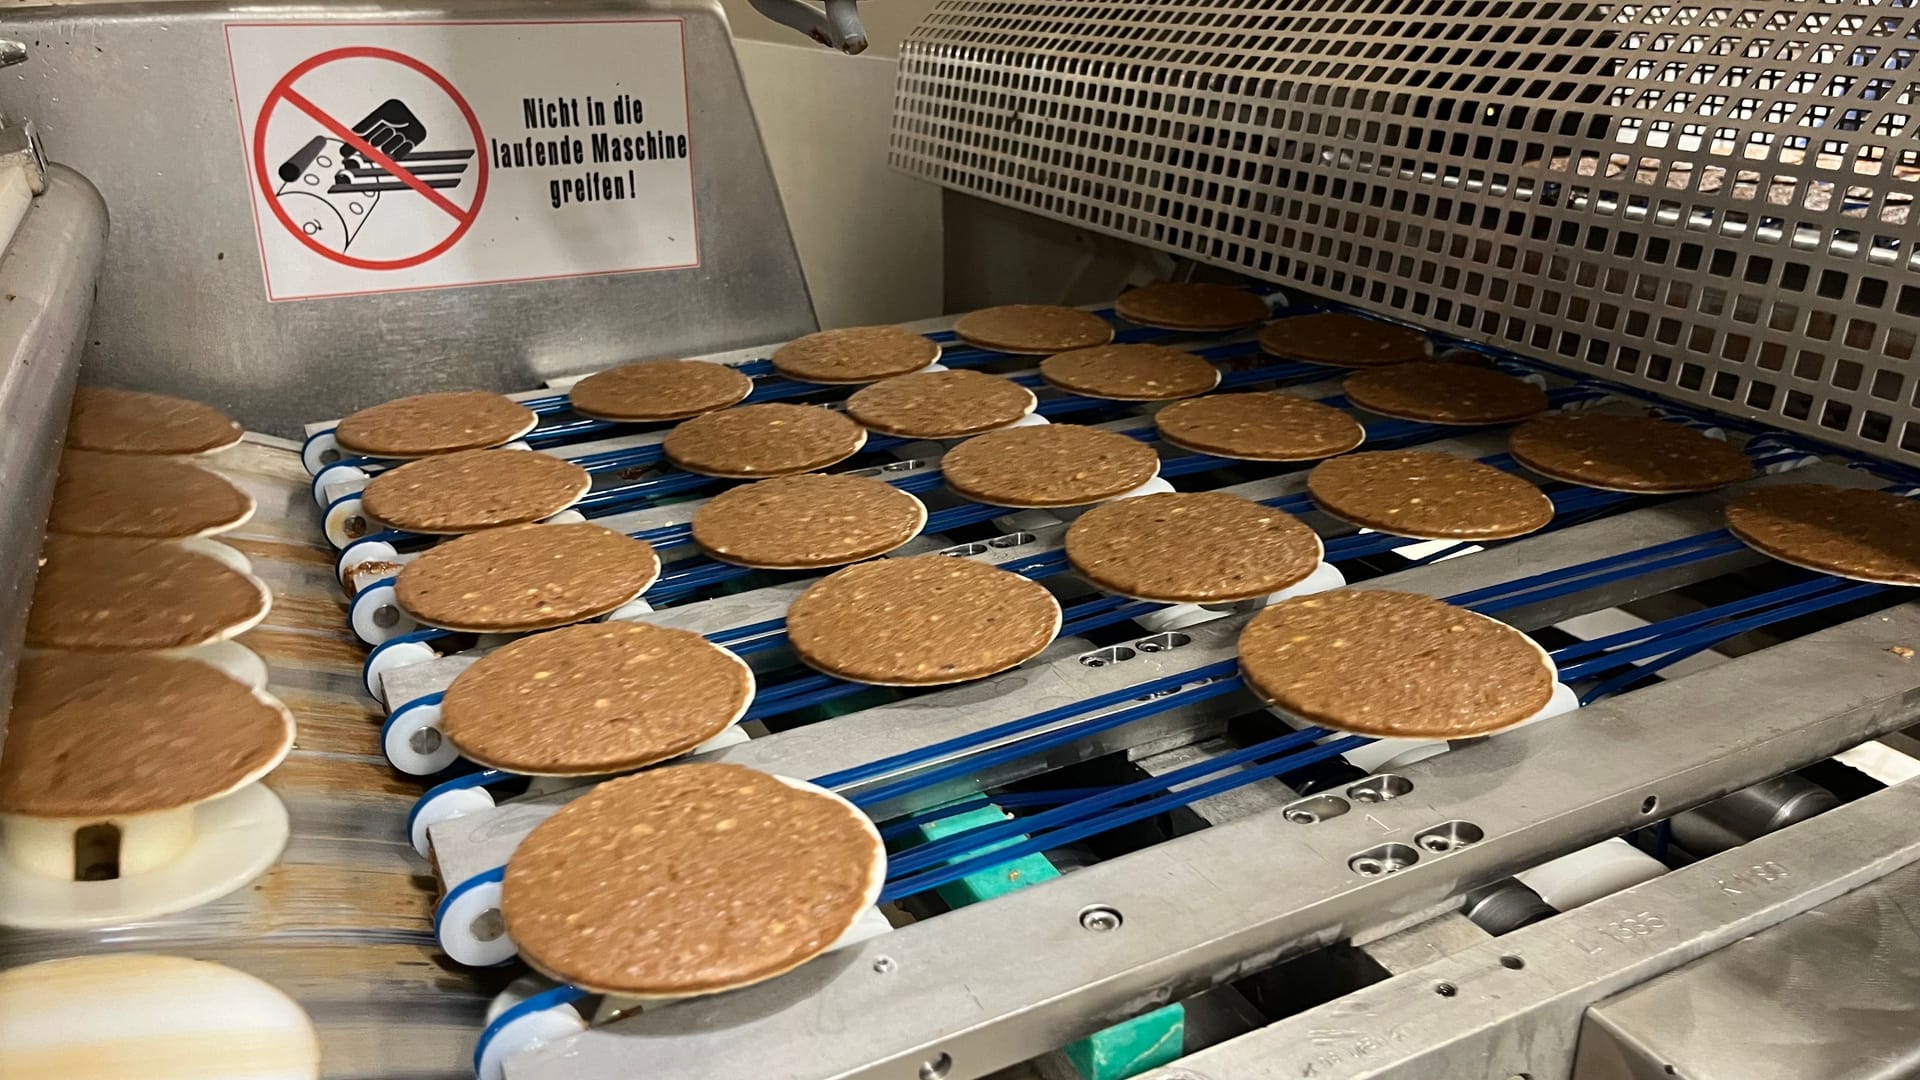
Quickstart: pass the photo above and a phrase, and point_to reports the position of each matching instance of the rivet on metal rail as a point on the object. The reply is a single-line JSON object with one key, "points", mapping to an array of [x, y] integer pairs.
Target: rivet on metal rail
{"points": [[1099, 918]]}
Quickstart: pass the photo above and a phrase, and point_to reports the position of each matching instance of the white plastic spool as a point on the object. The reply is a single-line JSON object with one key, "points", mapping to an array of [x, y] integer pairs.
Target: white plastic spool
{"points": [[445, 806], [1584, 876], [335, 481], [393, 658], [1324, 578], [320, 451], [376, 615], [471, 929], [346, 521], [413, 741]]}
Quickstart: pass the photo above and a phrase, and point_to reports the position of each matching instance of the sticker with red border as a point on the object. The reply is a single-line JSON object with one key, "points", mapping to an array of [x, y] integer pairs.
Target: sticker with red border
{"points": [[391, 156]]}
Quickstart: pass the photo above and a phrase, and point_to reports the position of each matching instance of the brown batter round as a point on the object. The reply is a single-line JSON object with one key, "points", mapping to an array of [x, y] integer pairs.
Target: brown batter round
{"points": [[1130, 373], [109, 736], [1200, 307], [658, 390], [854, 354], [807, 521], [1428, 496], [1048, 465], [525, 577], [474, 489], [428, 424], [1191, 548], [689, 879], [1396, 665], [1340, 340], [1442, 393], [921, 621], [1627, 453], [763, 440], [96, 594], [155, 497], [130, 422], [1259, 427], [1032, 329], [1859, 534], [594, 699], [940, 404]]}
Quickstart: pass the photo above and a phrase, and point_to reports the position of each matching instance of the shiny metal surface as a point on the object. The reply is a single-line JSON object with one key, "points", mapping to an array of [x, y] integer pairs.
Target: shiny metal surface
{"points": [[1731, 821], [964, 988], [182, 307], [1827, 994], [1710, 202], [1502, 1021], [47, 278]]}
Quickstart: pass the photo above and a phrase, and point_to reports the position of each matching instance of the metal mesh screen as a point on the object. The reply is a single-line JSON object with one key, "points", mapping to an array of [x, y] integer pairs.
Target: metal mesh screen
{"points": [[1711, 202]]}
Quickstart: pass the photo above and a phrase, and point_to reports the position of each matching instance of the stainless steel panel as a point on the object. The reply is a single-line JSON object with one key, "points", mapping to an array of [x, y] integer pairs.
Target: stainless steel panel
{"points": [[983, 987], [1710, 202], [47, 277], [138, 97], [1829, 994]]}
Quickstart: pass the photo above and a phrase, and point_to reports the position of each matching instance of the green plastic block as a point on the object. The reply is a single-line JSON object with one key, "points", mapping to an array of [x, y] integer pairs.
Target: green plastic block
{"points": [[1128, 1048]]}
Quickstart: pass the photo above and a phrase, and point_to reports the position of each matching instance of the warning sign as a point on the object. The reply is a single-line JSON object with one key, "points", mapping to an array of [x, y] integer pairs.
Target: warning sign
{"points": [[386, 157]]}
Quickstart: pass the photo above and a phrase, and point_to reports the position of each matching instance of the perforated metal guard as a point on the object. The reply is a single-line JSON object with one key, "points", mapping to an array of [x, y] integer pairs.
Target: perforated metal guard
{"points": [[1711, 202]]}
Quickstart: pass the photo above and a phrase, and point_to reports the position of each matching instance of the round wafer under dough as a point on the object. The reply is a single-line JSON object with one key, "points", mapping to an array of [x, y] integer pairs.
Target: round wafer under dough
{"points": [[1850, 532], [101, 594], [428, 424], [807, 521], [594, 699], [525, 577], [1428, 496], [1259, 427], [1433, 392], [940, 404], [926, 620], [1636, 454], [1340, 340], [131, 422], [655, 391], [471, 490], [121, 1015], [616, 893], [95, 736], [855, 354], [1047, 466], [1395, 665], [1197, 306], [1130, 373], [772, 439], [1032, 329], [1192, 548], [147, 497]]}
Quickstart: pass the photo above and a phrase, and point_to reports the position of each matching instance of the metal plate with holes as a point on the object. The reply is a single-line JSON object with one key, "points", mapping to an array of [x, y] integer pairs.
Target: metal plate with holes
{"points": [[1708, 201]]}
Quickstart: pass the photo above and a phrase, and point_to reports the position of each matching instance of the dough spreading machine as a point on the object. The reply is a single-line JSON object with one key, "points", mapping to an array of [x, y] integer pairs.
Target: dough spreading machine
{"points": [[1108, 862]]}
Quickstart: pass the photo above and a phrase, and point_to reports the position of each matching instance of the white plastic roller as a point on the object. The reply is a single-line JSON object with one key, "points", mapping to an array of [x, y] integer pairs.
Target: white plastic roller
{"points": [[376, 616], [413, 741], [320, 450], [439, 806], [392, 657], [469, 926]]}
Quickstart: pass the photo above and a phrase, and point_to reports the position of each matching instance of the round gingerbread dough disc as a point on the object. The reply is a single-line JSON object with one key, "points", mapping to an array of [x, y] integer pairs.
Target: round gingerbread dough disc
{"points": [[1259, 427], [1395, 665], [1627, 453], [594, 699], [940, 404], [1130, 373], [1032, 329], [773, 439], [1854, 533], [654, 391], [807, 521], [1339, 340], [1444, 393], [111, 736], [926, 620], [1428, 496], [1191, 548], [428, 424], [151, 497], [854, 354], [471, 490], [525, 577], [130, 422], [1195, 306], [1048, 465], [101, 594]]}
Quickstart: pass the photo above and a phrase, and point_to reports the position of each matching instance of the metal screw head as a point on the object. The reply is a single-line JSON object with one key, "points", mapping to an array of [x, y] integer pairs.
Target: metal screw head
{"points": [[1302, 817], [884, 964], [1100, 919], [1436, 843]]}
